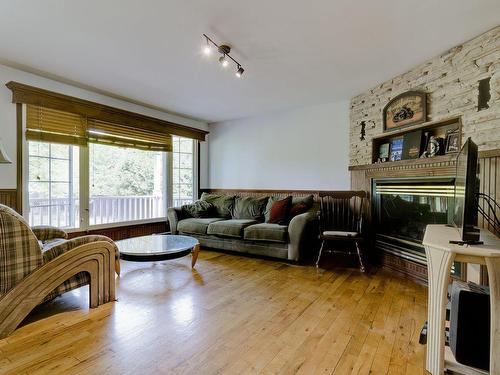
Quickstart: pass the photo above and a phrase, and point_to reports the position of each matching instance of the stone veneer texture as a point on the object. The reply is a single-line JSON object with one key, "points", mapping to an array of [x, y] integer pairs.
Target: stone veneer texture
{"points": [[451, 84]]}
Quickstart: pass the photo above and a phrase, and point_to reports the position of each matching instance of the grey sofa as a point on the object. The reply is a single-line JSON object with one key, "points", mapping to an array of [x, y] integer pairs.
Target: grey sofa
{"points": [[239, 224]]}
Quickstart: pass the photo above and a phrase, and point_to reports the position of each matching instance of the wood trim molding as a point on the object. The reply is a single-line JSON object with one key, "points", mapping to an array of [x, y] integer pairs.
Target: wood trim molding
{"points": [[26, 94], [19, 158], [8, 197]]}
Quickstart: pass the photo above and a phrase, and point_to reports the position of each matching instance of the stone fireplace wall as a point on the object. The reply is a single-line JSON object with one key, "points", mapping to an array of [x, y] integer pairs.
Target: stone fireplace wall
{"points": [[451, 83]]}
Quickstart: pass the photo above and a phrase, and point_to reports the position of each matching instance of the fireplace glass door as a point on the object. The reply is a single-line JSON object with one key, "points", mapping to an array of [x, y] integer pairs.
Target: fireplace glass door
{"points": [[402, 210]]}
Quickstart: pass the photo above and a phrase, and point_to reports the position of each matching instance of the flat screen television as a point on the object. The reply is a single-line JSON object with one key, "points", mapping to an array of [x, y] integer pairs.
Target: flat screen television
{"points": [[466, 189]]}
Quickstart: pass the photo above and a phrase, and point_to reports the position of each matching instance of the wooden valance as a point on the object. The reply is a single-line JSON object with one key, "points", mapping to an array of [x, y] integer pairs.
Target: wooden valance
{"points": [[26, 94]]}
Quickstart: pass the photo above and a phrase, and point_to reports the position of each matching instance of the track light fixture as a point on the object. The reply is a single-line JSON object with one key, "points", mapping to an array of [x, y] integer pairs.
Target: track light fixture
{"points": [[224, 50]]}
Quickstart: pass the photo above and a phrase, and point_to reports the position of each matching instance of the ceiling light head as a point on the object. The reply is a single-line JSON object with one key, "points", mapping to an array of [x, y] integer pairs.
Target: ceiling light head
{"points": [[223, 61], [224, 49], [206, 49], [240, 71]]}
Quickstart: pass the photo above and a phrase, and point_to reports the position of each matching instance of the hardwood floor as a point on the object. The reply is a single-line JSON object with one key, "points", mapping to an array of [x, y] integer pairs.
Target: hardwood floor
{"points": [[231, 315]]}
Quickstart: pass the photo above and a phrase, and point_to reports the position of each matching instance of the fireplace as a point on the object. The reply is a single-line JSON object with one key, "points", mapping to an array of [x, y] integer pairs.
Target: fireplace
{"points": [[402, 208]]}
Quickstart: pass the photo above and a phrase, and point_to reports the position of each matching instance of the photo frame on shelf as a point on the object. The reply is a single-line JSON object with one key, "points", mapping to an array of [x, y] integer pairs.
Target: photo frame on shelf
{"points": [[396, 149], [383, 152], [452, 141]]}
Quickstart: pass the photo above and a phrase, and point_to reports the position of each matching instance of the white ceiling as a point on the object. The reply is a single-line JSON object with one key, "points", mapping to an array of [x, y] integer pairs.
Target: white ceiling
{"points": [[295, 52]]}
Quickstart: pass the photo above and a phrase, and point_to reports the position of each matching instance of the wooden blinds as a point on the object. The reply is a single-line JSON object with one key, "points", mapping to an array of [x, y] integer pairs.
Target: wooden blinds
{"points": [[126, 136], [51, 125]]}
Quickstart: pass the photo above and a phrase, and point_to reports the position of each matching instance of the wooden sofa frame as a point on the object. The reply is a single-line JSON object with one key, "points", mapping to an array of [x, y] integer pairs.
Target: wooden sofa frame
{"points": [[96, 258]]}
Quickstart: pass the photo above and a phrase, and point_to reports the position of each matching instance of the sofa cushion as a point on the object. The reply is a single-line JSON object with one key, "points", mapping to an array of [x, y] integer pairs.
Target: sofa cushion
{"points": [[267, 232], [249, 208], [308, 200], [196, 225], [198, 209], [223, 204], [300, 205], [296, 207], [230, 228], [279, 211]]}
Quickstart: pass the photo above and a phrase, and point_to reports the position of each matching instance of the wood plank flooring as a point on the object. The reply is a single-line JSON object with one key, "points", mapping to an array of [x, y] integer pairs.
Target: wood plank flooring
{"points": [[232, 315]]}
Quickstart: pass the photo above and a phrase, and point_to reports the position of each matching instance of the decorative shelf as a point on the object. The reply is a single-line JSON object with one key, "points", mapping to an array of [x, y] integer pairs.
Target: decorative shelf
{"points": [[424, 125], [433, 128], [409, 163]]}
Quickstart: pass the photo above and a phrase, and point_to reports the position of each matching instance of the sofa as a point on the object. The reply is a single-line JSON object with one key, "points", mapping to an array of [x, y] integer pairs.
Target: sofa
{"points": [[240, 224]]}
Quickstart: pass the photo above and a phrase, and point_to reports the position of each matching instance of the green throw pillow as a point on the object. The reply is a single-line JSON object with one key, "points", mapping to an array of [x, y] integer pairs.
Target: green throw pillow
{"points": [[308, 200], [198, 209], [223, 204], [249, 208]]}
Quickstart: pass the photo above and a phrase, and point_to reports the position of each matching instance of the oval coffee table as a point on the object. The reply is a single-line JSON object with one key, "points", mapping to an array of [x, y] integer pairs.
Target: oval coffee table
{"points": [[158, 247]]}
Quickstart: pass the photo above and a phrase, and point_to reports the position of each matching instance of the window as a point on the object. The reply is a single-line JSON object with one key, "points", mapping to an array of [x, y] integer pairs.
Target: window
{"points": [[53, 187], [182, 171], [126, 184], [85, 172]]}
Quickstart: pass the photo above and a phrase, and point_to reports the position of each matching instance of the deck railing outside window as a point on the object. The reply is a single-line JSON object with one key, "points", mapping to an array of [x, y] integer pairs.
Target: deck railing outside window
{"points": [[109, 209]]}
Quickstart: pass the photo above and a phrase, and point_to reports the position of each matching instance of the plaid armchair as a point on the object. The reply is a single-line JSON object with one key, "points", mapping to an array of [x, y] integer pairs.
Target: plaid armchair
{"points": [[28, 252]]}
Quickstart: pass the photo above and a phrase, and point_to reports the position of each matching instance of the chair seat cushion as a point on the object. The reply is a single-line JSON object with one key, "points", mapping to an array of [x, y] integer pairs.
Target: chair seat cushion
{"points": [[339, 233], [196, 225], [229, 228], [267, 232]]}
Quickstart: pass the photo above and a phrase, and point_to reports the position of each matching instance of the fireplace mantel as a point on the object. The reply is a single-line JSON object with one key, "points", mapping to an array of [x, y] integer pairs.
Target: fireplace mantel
{"points": [[439, 166]]}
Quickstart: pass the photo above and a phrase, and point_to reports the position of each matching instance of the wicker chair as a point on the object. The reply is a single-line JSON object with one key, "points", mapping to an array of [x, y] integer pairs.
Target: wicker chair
{"points": [[38, 264], [341, 221]]}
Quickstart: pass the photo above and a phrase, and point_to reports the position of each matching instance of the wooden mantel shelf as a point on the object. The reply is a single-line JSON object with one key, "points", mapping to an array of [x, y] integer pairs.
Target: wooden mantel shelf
{"points": [[406, 164], [442, 160]]}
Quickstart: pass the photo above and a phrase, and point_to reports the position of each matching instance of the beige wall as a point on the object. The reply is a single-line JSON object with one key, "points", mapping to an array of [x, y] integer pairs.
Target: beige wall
{"points": [[451, 84]]}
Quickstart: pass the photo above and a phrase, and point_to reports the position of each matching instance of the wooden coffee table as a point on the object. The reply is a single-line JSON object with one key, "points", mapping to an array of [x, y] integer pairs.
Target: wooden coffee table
{"points": [[158, 247]]}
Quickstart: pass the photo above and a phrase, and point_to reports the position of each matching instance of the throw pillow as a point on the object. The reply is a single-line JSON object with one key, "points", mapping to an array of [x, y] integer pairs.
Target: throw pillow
{"points": [[297, 209], [223, 204], [279, 211], [198, 209], [249, 208]]}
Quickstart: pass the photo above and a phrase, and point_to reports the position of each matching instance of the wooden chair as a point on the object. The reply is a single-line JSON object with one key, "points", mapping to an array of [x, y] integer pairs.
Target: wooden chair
{"points": [[341, 220], [39, 264]]}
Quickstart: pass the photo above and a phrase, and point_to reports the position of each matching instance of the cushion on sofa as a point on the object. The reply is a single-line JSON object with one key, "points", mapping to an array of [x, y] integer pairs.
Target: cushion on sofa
{"points": [[296, 207], [267, 232], [279, 211], [300, 205], [249, 208], [229, 228], [198, 209], [223, 204], [196, 225]]}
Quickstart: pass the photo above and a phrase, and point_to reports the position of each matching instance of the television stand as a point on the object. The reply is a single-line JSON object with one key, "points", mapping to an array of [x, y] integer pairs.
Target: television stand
{"points": [[440, 256]]}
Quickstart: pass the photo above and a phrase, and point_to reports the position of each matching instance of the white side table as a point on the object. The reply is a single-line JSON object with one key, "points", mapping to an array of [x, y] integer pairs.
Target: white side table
{"points": [[440, 257]]}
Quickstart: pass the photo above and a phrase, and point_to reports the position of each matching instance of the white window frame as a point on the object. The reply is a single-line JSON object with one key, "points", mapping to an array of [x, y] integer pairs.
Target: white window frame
{"points": [[85, 187], [194, 172]]}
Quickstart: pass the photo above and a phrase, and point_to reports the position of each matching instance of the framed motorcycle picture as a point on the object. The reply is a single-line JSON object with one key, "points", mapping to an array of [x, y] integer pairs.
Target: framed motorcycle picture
{"points": [[408, 108]]}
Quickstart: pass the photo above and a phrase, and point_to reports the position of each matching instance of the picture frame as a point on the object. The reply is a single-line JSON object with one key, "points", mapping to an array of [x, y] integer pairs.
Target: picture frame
{"points": [[396, 149], [408, 108], [452, 142], [383, 154]]}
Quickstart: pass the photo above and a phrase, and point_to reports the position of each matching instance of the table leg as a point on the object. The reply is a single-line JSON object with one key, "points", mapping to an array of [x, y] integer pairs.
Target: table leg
{"points": [[493, 265], [438, 270], [194, 254]]}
